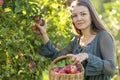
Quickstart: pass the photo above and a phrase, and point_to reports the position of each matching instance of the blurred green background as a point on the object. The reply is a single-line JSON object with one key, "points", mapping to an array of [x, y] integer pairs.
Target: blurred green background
{"points": [[19, 43]]}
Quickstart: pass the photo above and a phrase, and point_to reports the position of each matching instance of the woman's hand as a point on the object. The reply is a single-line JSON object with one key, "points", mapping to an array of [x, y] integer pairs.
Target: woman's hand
{"points": [[42, 28], [43, 32], [78, 58]]}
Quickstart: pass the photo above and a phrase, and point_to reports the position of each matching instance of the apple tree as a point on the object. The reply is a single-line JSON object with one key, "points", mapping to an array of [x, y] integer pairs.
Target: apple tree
{"points": [[19, 44]]}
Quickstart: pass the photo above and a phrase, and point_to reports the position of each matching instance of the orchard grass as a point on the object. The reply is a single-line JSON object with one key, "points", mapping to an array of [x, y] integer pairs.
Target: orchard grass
{"points": [[45, 75]]}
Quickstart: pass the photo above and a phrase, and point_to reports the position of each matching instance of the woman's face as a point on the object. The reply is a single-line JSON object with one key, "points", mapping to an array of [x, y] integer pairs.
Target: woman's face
{"points": [[81, 17]]}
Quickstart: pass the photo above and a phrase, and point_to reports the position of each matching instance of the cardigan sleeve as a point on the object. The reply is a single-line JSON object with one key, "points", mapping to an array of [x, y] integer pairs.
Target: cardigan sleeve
{"points": [[106, 64], [48, 50]]}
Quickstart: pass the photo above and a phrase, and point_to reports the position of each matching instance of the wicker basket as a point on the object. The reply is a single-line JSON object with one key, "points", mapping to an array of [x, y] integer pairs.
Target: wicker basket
{"points": [[57, 76]]}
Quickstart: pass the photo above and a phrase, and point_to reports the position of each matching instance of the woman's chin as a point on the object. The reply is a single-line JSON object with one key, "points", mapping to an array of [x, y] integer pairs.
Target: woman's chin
{"points": [[81, 27]]}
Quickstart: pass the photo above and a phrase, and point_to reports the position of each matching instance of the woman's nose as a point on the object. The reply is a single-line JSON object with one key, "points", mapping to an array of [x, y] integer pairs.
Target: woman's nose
{"points": [[79, 17]]}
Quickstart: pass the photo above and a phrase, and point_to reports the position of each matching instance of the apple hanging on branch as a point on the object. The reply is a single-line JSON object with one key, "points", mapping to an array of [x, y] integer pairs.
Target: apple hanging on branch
{"points": [[20, 55], [32, 64], [1, 2], [39, 21]]}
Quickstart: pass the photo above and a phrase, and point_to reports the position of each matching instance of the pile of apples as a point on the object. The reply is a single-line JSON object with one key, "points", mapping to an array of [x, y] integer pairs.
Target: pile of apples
{"points": [[39, 21], [68, 69]]}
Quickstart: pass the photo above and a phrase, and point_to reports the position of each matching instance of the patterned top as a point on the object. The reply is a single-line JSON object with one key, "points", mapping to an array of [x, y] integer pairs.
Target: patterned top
{"points": [[101, 62]]}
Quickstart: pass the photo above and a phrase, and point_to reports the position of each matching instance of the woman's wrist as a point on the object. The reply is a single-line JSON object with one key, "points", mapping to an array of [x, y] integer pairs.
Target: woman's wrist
{"points": [[86, 56], [44, 34], [82, 56], [45, 38]]}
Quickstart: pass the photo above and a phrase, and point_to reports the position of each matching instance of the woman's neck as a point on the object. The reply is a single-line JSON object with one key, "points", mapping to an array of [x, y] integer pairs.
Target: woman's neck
{"points": [[87, 33], [87, 37]]}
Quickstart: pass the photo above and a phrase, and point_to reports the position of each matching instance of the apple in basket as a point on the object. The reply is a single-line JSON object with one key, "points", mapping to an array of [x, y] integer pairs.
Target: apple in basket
{"points": [[59, 70], [56, 69], [71, 69], [62, 71]]}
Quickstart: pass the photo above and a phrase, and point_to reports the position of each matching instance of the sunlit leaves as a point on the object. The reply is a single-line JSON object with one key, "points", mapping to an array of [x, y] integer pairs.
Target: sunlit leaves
{"points": [[112, 19], [16, 35]]}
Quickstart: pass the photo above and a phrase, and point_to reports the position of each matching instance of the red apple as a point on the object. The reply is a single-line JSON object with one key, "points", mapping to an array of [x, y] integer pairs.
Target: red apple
{"points": [[32, 64], [56, 69], [62, 71], [74, 69], [71, 69], [1, 2], [20, 55], [37, 31], [34, 27], [36, 17], [67, 68], [38, 21], [41, 22]]}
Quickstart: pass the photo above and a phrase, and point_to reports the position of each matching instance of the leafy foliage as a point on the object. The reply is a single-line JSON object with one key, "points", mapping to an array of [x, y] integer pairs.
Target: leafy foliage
{"points": [[111, 17], [18, 42]]}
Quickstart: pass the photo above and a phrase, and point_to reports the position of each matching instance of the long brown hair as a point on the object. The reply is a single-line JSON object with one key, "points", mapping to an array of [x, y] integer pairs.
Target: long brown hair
{"points": [[97, 24]]}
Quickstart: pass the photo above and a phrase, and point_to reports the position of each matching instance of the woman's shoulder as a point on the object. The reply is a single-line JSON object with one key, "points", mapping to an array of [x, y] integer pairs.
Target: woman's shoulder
{"points": [[103, 32], [104, 35]]}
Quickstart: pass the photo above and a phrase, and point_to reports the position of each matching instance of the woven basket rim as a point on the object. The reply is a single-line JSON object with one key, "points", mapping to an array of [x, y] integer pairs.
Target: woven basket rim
{"points": [[62, 57], [52, 73]]}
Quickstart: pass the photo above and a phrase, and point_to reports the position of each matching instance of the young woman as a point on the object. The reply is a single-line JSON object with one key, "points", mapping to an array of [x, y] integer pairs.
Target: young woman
{"points": [[93, 46]]}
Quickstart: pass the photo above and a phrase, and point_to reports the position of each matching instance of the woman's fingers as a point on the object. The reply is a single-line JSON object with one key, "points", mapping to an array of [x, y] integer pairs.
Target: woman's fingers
{"points": [[76, 61], [74, 57], [43, 26], [69, 55], [77, 58]]}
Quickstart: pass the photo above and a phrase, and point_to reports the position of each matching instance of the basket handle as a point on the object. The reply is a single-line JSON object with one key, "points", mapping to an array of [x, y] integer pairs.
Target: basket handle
{"points": [[59, 58]]}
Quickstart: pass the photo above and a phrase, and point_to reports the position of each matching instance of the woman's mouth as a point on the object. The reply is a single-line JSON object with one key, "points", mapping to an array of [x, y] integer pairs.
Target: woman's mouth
{"points": [[79, 24]]}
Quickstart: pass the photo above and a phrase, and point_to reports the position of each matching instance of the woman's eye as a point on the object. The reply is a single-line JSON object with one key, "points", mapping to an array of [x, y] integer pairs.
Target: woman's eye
{"points": [[83, 14], [74, 15]]}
